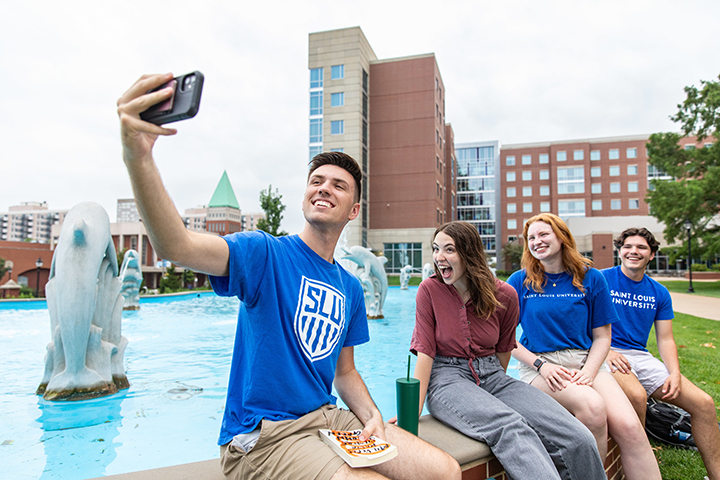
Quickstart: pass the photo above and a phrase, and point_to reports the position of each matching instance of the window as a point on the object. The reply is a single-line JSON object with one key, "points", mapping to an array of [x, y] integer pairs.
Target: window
{"points": [[337, 150], [337, 72], [544, 207], [511, 192], [316, 106], [561, 156], [510, 176], [544, 174], [526, 159], [615, 204], [571, 180], [527, 191], [595, 172], [544, 158], [632, 186], [315, 151], [316, 130], [316, 78], [689, 147], [579, 155], [510, 160], [571, 208], [527, 207], [615, 171], [527, 175], [544, 191], [596, 188], [511, 207], [595, 155], [337, 127], [614, 154], [401, 254], [632, 170], [512, 224], [631, 153], [597, 204], [633, 204], [615, 187], [337, 99]]}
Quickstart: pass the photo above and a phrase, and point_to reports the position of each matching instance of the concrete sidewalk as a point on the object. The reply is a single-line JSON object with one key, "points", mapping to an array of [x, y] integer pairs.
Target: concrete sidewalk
{"points": [[694, 304]]}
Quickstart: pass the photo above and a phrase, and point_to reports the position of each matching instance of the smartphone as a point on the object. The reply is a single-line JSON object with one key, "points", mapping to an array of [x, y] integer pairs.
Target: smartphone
{"points": [[183, 104]]}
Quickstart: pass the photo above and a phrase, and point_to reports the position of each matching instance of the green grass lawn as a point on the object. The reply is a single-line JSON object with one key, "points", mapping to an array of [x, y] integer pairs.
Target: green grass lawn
{"points": [[697, 340], [706, 289]]}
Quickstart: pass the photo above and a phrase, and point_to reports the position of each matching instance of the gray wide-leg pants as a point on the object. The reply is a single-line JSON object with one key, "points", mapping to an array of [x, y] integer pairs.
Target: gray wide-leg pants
{"points": [[531, 434]]}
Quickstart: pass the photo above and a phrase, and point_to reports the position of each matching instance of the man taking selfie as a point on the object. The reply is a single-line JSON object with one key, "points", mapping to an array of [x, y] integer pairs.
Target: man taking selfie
{"points": [[301, 314]]}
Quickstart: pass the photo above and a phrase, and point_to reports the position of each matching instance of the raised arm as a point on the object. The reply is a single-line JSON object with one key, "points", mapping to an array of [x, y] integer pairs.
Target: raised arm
{"points": [[167, 232]]}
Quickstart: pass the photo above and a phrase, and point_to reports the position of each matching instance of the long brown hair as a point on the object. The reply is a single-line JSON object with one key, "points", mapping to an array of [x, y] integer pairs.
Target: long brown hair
{"points": [[481, 285], [574, 263]]}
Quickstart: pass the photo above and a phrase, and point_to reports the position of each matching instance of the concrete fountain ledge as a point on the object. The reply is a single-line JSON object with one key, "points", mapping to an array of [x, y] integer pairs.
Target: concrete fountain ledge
{"points": [[475, 458]]}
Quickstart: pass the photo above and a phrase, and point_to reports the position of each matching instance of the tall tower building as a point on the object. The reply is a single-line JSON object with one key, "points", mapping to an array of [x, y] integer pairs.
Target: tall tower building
{"points": [[390, 116], [339, 62], [223, 212]]}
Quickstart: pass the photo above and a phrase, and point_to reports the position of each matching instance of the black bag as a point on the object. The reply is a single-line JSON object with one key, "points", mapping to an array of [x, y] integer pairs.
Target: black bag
{"points": [[669, 424]]}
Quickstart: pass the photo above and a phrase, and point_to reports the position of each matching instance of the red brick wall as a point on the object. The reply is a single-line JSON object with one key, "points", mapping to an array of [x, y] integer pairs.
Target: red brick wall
{"points": [[24, 255], [407, 116]]}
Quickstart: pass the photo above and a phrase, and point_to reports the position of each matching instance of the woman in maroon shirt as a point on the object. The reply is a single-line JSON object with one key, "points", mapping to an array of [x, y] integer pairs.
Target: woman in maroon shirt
{"points": [[464, 333]]}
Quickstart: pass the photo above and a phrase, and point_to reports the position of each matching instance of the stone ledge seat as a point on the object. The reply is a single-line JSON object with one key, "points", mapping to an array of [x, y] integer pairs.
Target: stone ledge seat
{"points": [[469, 454]]}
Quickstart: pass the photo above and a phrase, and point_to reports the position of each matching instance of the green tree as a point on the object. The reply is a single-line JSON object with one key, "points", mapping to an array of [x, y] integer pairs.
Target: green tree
{"points": [[3, 268], [512, 253], [272, 205], [170, 281], [188, 278], [695, 194], [120, 256]]}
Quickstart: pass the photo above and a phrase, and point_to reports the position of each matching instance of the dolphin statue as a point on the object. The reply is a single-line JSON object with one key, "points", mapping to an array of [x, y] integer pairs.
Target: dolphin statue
{"points": [[84, 358], [372, 276]]}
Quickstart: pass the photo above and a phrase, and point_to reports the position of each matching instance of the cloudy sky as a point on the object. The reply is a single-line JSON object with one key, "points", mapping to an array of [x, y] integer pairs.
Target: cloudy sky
{"points": [[514, 71]]}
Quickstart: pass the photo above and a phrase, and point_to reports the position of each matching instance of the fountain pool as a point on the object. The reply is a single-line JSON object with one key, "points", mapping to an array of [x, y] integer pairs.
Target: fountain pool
{"points": [[172, 411]]}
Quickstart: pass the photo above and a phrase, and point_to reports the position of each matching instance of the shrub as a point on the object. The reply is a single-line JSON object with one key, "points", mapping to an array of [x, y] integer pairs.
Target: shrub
{"points": [[699, 267]]}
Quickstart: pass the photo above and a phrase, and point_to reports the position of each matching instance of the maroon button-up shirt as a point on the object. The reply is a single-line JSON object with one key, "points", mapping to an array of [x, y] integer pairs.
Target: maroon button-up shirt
{"points": [[446, 326]]}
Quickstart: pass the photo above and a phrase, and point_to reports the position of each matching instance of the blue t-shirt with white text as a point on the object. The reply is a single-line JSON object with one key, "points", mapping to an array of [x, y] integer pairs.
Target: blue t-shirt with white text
{"points": [[297, 312], [562, 316], [639, 305]]}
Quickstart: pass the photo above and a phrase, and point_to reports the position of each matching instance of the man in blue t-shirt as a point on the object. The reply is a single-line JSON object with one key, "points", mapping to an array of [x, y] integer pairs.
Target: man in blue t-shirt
{"points": [[641, 302], [301, 314]]}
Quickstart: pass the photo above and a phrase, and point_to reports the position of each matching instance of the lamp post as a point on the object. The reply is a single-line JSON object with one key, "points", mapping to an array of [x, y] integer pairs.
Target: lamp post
{"points": [[688, 225], [38, 264]]}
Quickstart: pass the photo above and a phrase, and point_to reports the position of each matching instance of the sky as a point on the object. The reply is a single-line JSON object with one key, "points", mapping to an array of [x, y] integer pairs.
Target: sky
{"points": [[514, 71]]}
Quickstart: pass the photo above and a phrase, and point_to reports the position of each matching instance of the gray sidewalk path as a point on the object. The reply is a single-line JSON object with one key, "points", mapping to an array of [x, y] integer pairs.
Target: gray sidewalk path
{"points": [[694, 304]]}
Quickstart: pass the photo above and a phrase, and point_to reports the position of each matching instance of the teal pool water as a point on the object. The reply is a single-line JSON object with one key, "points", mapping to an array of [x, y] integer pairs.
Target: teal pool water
{"points": [[177, 361]]}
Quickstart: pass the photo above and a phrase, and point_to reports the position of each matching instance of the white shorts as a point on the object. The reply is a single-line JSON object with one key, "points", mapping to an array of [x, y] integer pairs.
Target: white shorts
{"points": [[571, 358], [651, 372]]}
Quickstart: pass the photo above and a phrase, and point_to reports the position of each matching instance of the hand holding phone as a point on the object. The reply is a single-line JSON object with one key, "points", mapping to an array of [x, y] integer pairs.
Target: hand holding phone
{"points": [[183, 104]]}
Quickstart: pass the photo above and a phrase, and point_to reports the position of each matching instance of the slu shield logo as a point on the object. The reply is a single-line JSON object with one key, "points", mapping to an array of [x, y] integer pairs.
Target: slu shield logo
{"points": [[319, 319]]}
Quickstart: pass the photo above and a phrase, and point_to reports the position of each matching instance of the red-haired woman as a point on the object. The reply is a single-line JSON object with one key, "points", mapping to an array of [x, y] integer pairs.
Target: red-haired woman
{"points": [[464, 333], [566, 314]]}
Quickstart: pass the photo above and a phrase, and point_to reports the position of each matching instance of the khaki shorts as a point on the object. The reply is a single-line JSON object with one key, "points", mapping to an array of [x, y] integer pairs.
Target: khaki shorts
{"points": [[571, 358], [290, 449]]}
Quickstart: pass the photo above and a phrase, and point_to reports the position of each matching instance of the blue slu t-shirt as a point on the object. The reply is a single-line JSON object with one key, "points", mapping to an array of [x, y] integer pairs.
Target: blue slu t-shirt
{"points": [[297, 312], [639, 305], [562, 316]]}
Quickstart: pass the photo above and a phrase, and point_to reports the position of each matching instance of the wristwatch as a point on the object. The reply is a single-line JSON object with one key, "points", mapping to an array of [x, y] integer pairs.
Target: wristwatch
{"points": [[538, 363]]}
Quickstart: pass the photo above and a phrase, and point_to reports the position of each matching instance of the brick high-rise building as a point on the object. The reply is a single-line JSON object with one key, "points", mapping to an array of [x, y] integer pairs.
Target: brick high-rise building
{"points": [[389, 114]]}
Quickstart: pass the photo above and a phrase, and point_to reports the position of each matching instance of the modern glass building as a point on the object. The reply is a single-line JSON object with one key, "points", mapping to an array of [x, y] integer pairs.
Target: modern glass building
{"points": [[478, 189]]}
